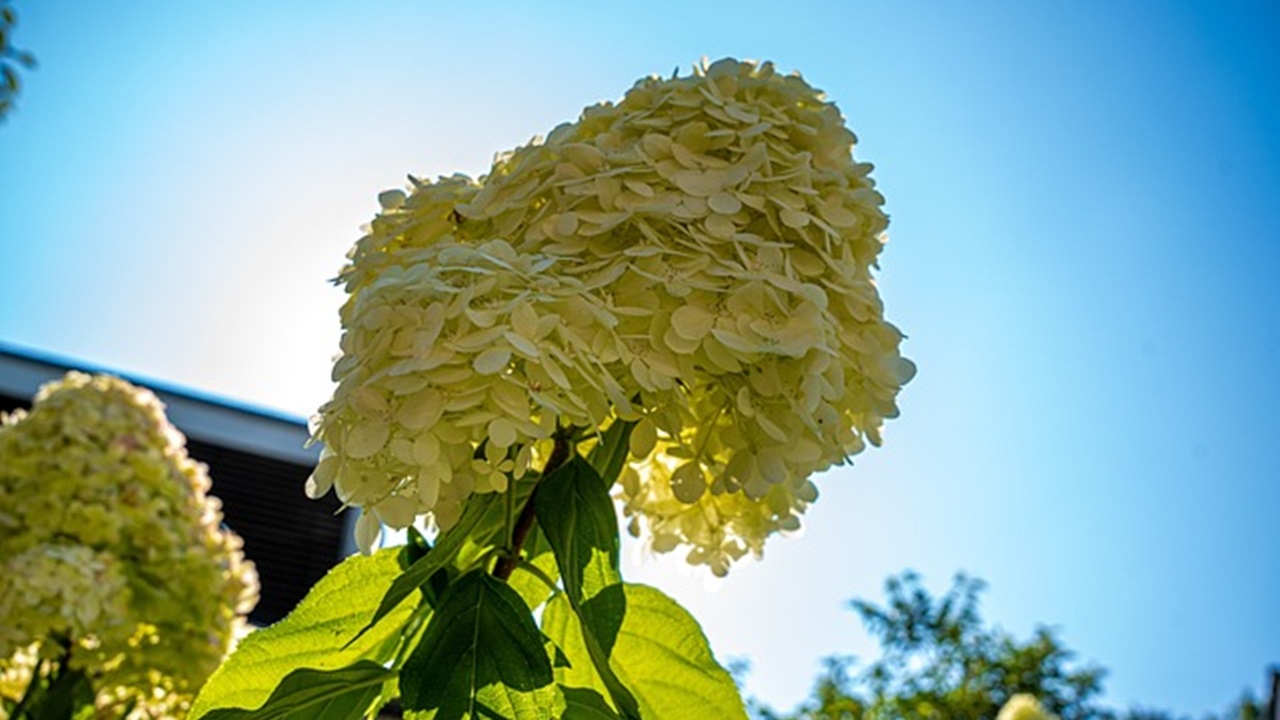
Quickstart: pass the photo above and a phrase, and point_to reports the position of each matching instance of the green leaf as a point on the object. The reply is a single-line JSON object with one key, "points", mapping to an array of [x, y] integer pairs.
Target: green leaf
{"points": [[315, 635], [659, 653], [481, 657], [610, 455], [478, 513], [584, 704], [343, 694], [597, 624], [414, 549], [576, 514]]}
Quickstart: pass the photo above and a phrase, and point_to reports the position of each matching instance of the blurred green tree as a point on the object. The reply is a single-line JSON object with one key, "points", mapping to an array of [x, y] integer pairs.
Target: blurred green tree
{"points": [[940, 662], [11, 59]]}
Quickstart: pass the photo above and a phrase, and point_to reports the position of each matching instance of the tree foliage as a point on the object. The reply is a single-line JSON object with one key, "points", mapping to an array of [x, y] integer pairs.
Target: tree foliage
{"points": [[939, 661], [11, 59]]}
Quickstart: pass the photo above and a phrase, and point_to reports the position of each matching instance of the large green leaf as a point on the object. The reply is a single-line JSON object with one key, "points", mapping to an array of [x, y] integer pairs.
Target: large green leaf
{"points": [[479, 514], [343, 694], [659, 653], [585, 704], [480, 657], [315, 635], [576, 514]]}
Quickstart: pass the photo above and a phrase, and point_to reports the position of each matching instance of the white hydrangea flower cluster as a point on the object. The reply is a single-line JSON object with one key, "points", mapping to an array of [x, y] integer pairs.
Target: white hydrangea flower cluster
{"points": [[63, 589], [695, 258], [110, 545], [17, 671], [460, 354], [1024, 706]]}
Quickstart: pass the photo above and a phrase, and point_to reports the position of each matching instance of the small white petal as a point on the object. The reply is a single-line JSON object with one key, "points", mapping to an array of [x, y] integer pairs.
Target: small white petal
{"points": [[491, 361], [421, 410], [391, 199], [428, 489], [368, 530], [367, 438], [396, 511], [688, 483], [321, 479], [502, 432], [522, 344], [692, 322], [644, 436]]}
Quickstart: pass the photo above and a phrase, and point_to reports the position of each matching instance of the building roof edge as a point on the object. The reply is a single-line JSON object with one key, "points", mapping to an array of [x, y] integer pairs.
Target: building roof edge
{"points": [[199, 415]]}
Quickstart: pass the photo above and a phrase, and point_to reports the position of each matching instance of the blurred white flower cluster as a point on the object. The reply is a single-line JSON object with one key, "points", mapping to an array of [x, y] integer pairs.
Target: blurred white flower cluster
{"points": [[1024, 707], [695, 259], [111, 553]]}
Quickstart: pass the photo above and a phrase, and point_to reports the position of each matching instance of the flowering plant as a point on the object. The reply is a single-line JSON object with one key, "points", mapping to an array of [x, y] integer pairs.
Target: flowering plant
{"points": [[671, 300], [117, 585], [1024, 707]]}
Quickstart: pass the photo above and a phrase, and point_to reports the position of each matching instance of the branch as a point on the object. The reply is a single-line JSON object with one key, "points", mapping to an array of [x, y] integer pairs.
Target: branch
{"points": [[524, 523]]}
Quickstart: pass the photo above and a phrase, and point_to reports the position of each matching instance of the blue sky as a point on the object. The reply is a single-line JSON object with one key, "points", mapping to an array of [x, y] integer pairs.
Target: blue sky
{"points": [[1083, 251]]}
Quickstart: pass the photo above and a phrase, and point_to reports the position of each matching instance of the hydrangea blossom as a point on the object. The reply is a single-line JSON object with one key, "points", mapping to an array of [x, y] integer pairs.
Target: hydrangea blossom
{"points": [[1024, 707], [110, 549], [695, 258], [452, 343]]}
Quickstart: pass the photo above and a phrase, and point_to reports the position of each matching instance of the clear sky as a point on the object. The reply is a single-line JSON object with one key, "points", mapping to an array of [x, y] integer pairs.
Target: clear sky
{"points": [[1084, 253]]}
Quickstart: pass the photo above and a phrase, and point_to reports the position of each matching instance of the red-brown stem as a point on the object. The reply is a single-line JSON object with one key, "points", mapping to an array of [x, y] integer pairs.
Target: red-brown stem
{"points": [[524, 523]]}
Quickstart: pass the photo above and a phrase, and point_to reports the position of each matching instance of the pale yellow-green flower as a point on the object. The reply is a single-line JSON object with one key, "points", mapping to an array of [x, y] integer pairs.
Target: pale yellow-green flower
{"points": [[466, 346], [63, 589], [695, 258], [1024, 707], [109, 543], [16, 672]]}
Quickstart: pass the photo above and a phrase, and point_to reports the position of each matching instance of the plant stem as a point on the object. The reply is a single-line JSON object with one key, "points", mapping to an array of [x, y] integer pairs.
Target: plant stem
{"points": [[559, 456], [537, 572], [509, 514]]}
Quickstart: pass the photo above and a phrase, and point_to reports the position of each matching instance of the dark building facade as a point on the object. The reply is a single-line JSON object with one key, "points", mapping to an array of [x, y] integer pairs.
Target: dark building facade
{"points": [[257, 464]]}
